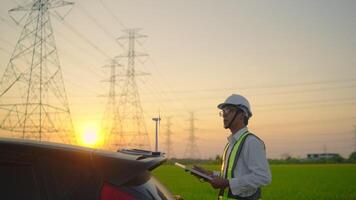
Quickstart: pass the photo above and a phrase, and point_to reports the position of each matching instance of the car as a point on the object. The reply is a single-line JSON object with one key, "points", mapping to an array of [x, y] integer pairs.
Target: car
{"points": [[44, 170]]}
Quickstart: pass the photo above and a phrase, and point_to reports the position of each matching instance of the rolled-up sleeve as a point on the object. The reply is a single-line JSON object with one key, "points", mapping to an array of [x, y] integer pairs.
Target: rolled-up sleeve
{"points": [[254, 158]]}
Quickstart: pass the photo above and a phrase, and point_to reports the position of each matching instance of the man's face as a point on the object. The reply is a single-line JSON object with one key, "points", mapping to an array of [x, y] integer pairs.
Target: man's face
{"points": [[228, 114]]}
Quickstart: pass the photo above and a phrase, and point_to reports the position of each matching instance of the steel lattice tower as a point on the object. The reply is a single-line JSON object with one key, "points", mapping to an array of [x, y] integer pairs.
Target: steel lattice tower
{"points": [[130, 108], [168, 143], [192, 150], [33, 101], [111, 123]]}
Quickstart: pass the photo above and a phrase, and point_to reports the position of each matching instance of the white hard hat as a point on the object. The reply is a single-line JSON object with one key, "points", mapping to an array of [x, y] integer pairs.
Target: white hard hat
{"points": [[239, 101]]}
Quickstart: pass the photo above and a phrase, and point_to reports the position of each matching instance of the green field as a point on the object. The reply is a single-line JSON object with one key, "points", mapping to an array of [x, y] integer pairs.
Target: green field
{"points": [[299, 182]]}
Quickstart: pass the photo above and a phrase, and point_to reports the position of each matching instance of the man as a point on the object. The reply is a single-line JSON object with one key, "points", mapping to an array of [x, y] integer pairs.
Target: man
{"points": [[244, 165]]}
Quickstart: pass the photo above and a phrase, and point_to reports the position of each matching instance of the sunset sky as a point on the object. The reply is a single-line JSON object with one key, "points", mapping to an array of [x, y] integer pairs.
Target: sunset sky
{"points": [[294, 60]]}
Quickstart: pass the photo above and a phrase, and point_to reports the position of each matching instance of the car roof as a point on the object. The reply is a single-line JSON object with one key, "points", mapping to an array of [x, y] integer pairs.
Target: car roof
{"points": [[115, 167]]}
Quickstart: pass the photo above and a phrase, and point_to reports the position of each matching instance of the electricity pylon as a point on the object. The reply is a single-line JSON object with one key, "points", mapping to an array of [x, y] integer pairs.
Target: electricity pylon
{"points": [[130, 108], [168, 142], [192, 150], [33, 101], [111, 123]]}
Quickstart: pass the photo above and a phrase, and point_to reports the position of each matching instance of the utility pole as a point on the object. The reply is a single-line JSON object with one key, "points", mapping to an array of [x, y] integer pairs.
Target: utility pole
{"points": [[130, 108], [192, 150], [157, 120], [33, 100]]}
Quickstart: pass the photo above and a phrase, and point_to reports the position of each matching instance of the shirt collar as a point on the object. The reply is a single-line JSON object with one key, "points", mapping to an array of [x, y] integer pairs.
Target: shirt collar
{"points": [[235, 136]]}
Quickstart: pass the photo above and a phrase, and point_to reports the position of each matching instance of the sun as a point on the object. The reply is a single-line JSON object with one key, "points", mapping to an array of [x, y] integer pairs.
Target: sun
{"points": [[90, 135]]}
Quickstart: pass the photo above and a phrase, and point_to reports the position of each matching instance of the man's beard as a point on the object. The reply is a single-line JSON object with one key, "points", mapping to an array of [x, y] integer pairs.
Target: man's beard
{"points": [[226, 123]]}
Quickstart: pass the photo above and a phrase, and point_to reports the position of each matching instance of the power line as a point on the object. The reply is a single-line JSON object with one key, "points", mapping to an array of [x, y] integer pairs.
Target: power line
{"points": [[82, 37], [298, 103], [272, 86], [70, 42], [112, 14], [326, 121], [165, 82], [101, 27], [270, 93], [332, 103], [161, 104], [212, 111], [304, 123], [318, 134], [9, 24]]}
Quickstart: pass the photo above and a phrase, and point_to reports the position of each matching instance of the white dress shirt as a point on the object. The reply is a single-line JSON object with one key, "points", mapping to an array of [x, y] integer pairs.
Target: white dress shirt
{"points": [[252, 169]]}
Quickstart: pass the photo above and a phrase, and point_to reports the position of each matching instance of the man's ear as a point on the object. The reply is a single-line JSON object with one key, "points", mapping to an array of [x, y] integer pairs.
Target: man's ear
{"points": [[240, 116]]}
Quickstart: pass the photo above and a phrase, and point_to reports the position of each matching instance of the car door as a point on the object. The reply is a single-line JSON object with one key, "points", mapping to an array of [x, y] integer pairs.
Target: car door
{"points": [[69, 175], [19, 175]]}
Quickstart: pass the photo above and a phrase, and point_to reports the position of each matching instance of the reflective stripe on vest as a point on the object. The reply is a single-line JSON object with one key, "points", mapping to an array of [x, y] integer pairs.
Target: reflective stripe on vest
{"points": [[231, 161], [223, 161]]}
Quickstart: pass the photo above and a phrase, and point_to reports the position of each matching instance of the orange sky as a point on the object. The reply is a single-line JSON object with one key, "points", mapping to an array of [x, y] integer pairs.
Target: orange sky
{"points": [[294, 61]]}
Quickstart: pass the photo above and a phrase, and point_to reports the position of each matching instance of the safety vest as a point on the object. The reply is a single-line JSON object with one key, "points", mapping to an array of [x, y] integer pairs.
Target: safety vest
{"points": [[231, 165]]}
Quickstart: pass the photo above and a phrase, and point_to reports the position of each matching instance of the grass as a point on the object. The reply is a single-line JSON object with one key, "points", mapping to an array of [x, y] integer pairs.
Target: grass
{"points": [[295, 182]]}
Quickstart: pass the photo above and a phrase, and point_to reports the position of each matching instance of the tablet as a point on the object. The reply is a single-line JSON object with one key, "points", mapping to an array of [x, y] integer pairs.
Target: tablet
{"points": [[195, 172]]}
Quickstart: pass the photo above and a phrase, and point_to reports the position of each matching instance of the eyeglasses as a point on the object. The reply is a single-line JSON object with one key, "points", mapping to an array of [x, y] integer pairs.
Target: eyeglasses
{"points": [[225, 111]]}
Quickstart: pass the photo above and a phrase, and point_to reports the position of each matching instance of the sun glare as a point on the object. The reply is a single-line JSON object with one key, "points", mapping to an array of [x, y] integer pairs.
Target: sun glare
{"points": [[90, 136]]}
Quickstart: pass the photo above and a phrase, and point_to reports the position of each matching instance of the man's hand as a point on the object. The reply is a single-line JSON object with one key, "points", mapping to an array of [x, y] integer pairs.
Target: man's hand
{"points": [[202, 170], [219, 183]]}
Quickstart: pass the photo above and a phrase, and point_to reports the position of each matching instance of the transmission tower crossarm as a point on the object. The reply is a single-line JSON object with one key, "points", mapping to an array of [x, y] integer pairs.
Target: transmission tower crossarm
{"points": [[26, 7], [128, 37], [128, 54], [136, 74], [132, 34], [39, 5], [60, 3], [82, 36]]}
